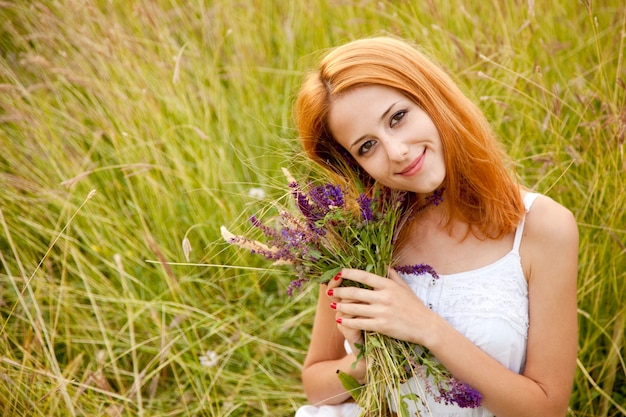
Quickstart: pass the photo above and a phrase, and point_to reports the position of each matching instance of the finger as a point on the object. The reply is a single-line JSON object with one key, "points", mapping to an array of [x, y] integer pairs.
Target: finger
{"points": [[395, 277], [363, 277], [355, 323], [353, 295], [336, 280], [352, 336], [334, 283], [352, 310]]}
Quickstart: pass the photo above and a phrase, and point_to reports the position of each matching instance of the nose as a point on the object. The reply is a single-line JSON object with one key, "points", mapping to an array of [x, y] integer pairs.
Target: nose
{"points": [[396, 150]]}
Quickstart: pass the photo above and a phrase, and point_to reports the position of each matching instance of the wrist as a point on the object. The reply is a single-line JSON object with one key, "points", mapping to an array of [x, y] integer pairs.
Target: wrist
{"points": [[355, 367], [434, 336]]}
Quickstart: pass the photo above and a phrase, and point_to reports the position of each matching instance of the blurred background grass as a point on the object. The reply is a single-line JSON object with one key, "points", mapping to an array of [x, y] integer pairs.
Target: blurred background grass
{"points": [[172, 112]]}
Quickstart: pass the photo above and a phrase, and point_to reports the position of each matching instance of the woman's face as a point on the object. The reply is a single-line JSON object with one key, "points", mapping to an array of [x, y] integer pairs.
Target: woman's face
{"points": [[390, 137]]}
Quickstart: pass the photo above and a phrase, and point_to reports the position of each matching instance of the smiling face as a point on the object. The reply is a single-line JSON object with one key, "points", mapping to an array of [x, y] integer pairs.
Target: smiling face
{"points": [[390, 137]]}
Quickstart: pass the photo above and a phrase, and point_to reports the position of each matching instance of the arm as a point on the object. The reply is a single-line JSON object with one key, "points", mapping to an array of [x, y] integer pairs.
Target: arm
{"points": [[325, 356], [549, 254]]}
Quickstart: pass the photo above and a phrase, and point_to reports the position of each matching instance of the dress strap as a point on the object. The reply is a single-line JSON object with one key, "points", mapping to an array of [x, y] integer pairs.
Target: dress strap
{"points": [[529, 199]]}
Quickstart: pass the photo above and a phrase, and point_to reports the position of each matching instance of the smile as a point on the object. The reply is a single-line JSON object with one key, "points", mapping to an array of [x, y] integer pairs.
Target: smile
{"points": [[414, 166]]}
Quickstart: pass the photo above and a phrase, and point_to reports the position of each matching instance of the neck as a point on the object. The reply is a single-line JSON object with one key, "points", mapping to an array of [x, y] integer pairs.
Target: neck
{"points": [[428, 213], [425, 205]]}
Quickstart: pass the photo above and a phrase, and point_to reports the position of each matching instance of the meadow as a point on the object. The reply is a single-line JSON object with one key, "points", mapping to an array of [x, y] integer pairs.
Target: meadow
{"points": [[131, 130]]}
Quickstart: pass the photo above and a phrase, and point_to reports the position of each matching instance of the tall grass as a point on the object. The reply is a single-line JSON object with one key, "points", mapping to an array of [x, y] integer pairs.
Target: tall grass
{"points": [[128, 127]]}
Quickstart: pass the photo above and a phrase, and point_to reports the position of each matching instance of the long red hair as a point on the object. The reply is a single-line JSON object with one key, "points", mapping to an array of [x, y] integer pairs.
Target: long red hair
{"points": [[479, 187]]}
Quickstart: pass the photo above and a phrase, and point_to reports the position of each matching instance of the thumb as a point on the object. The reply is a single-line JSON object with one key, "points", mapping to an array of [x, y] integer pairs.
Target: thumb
{"points": [[395, 277]]}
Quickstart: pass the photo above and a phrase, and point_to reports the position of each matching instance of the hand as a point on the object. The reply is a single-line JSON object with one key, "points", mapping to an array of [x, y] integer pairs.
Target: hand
{"points": [[353, 336], [390, 307]]}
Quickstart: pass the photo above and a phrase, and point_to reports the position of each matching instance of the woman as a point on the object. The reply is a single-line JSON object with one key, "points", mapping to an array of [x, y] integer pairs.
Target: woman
{"points": [[502, 315]]}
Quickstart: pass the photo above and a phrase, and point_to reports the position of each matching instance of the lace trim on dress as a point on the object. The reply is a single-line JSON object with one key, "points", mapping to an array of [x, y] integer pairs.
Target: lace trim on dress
{"points": [[500, 295]]}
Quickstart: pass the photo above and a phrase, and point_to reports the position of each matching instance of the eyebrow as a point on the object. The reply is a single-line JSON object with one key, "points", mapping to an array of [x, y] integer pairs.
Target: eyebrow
{"points": [[382, 117]]}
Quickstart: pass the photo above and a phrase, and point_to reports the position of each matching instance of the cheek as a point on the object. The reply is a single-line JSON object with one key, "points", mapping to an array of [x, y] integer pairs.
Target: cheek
{"points": [[372, 169]]}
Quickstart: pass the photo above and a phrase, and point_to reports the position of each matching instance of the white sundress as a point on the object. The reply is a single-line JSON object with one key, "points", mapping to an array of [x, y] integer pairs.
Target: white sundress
{"points": [[488, 305]]}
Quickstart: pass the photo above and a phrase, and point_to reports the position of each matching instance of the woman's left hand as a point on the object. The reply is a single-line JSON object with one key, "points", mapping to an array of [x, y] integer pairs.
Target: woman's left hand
{"points": [[390, 307]]}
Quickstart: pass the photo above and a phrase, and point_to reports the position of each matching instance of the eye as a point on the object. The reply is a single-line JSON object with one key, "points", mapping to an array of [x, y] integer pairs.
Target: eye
{"points": [[397, 118], [366, 147]]}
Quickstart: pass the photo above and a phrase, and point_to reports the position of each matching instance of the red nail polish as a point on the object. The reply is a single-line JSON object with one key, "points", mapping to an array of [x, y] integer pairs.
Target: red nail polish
{"points": [[338, 276], [330, 292], [333, 306], [338, 320]]}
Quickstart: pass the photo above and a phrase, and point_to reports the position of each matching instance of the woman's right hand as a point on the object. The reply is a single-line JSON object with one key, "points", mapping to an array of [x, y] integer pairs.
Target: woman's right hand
{"points": [[327, 355], [354, 337]]}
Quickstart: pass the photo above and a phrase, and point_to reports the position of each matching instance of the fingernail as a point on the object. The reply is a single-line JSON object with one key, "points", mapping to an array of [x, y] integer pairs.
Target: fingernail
{"points": [[330, 292], [338, 276], [333, 306], [338, 320]]}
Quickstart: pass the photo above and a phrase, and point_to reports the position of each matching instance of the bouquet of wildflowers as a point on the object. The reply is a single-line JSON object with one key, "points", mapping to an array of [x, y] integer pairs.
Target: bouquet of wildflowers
{"points": [[331, 228]]}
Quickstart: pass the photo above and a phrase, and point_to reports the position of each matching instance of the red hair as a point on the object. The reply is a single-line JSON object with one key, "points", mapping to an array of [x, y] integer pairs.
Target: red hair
{"points": [[479, 187]]}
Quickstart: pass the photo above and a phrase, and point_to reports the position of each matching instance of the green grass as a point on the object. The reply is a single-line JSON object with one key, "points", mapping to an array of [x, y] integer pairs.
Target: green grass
{"points": [[171, 111]]}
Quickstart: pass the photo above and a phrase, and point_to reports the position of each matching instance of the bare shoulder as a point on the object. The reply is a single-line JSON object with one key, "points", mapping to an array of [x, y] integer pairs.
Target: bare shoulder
{"points": [[550, 236], [548, 221], [549, 254]]}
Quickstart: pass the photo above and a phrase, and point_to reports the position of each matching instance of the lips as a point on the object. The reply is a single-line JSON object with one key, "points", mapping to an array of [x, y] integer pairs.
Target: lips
{"points": [[414, 166]]}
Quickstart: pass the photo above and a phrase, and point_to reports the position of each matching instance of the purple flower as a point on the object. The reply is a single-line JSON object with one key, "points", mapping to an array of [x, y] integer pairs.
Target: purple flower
{"points": [[278, 248], [327, 196], [419, 269], [436, 197], [270, 233], [298, 242], [294, 285], [318, 203], [365, 204], [305, 207], [461, 394]]}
